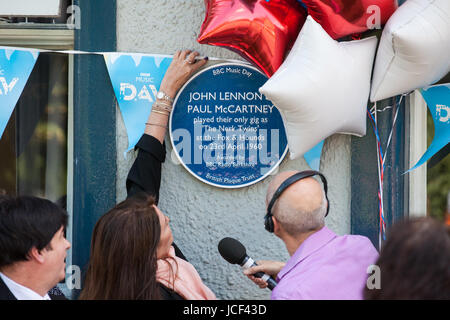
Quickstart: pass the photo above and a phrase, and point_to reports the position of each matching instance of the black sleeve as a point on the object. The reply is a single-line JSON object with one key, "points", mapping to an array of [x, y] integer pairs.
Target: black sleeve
{"points": [[145, 173]]}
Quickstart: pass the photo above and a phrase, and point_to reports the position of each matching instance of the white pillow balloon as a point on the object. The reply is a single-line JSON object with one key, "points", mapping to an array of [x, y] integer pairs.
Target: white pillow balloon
{"points": [[322, 87], [414, 49]]}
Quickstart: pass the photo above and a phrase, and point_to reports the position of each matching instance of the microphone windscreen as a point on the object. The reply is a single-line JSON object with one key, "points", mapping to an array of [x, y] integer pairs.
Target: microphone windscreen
{"points": [[232, 250]]}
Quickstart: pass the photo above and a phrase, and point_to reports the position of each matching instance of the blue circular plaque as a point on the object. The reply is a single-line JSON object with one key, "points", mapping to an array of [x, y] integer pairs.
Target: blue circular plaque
{"points": [[223, 130]]}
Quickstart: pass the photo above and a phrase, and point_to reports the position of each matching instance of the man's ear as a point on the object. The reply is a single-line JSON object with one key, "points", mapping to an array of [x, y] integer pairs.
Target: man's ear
{"points": [[36, 255], [276, 226]]}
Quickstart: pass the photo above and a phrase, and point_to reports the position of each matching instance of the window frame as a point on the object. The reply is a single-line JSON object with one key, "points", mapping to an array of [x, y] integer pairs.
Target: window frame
{"points": [[92, 167], [417, 147], [51, 39], [94, 119]]}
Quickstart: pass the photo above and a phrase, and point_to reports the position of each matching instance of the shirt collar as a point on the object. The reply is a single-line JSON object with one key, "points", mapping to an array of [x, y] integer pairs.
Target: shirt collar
{"points": [[21, 292], [313, 243]]}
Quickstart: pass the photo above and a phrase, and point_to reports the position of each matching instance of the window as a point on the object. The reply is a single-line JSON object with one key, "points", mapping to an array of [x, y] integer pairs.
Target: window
{"points": [[438, 175], [430, 183], [34, 144], [36, 150]]}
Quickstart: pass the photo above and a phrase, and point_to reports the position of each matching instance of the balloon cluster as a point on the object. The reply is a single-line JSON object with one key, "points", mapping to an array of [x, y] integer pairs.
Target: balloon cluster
{"points": [[320, 83], [341, 18], [261, 31]]}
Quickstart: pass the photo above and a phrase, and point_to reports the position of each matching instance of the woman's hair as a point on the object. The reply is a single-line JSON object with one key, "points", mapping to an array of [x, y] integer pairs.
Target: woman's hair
{"points": [[123, 260], [414, 262]]}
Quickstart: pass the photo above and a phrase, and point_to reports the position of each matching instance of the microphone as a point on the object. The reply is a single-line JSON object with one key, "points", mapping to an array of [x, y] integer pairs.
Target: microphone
{"points": [[234, 252]]}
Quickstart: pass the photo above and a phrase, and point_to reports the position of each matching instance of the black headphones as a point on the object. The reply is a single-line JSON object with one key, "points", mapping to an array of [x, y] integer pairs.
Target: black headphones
{"points": [[268, 222]]}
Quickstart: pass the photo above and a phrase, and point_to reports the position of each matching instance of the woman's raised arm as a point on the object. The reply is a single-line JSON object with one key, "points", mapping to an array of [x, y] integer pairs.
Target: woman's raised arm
{"points": [[145, 174]]}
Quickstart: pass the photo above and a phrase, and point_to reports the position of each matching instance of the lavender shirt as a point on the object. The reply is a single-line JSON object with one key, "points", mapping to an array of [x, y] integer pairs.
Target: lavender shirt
{"points": [[326, 267]]}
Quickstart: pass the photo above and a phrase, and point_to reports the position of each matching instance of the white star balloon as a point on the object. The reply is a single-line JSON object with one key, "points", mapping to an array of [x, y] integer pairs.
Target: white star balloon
{"points": [[414, 48], [322, 87]]}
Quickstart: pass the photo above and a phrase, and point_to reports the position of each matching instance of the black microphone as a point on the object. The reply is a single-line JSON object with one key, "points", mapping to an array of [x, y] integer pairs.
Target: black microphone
{"points": [[234, 252]]}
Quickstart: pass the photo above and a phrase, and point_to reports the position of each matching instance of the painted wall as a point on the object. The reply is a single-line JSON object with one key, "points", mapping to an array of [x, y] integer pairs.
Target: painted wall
{"points": [[201, 215]]}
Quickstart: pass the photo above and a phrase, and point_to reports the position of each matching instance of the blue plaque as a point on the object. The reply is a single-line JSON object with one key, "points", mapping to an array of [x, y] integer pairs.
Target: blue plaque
{"points": [[223, 130]]}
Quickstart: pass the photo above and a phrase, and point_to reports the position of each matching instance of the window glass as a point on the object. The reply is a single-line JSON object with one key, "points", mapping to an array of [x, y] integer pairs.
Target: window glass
{"points": [[438, 174], [33, 149], [438, 179]]}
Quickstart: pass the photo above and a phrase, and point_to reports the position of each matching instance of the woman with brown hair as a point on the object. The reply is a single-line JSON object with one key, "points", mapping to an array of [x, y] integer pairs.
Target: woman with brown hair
{"points": [[132, 252], [132, 257], [414, 262]]}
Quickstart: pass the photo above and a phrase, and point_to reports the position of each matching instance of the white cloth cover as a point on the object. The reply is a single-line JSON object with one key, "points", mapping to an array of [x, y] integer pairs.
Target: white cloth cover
{"points": [[414, 49], [322, 87]]}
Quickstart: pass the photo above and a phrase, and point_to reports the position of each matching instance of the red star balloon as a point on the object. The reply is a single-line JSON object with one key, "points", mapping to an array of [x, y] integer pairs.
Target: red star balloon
{"points": [[262, 31], [340, 18]]}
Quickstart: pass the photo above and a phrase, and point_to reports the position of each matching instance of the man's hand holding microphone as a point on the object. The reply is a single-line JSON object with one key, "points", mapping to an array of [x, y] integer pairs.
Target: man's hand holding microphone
{"points": [[269, 267]]}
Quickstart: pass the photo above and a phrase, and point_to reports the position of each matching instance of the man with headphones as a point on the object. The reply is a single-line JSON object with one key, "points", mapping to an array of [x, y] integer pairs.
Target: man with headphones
{"points": [[323, 265]]}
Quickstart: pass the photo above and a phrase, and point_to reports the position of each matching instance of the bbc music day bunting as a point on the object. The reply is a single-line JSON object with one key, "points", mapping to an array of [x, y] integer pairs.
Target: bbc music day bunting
{"points": [[312, 157], [438, 101], [135, 78], [15, 69]]}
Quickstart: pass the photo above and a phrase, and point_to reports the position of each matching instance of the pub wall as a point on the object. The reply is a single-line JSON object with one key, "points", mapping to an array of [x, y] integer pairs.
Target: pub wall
{"points": [[201, 215]]}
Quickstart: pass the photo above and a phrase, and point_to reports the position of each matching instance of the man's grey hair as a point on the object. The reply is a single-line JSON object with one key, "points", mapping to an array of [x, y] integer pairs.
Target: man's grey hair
{"points": [[296, 221]]}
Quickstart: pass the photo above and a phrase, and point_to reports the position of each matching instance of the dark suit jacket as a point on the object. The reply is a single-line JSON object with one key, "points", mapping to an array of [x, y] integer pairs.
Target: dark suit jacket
{"points": [[6, 294]]}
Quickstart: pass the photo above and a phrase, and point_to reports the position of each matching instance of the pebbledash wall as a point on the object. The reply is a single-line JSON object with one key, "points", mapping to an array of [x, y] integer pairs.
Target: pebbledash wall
{"points": [[201, 215]]}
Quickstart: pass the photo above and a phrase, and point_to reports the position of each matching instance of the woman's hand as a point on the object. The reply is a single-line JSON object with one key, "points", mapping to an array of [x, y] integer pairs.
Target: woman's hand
{"points": [[180, 70]]}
